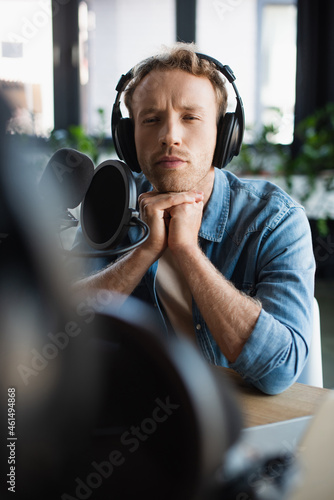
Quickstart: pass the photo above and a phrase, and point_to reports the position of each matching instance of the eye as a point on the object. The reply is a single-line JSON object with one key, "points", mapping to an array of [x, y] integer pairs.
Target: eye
{"points": [[190, 117], [150, 119]]}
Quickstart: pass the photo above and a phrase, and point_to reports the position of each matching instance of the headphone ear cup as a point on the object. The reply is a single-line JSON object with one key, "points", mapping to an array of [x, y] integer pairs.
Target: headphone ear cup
{"points": [[227, 140], [124, 138]]}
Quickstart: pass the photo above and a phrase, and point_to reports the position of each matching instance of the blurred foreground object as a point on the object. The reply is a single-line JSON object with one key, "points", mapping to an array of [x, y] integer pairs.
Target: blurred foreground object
{"points": [[94, 400]]}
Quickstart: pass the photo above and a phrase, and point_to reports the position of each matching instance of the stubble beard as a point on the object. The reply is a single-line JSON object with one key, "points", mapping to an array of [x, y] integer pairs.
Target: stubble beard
{"points": [[172, 182], [178, 180]]}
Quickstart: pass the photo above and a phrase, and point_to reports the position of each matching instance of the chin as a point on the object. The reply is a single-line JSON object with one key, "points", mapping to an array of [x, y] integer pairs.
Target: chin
{"points": [[172, 185], [173, 188]]}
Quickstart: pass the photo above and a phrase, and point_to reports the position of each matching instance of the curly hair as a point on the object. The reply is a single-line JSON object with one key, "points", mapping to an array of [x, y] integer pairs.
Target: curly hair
{"points": [[180, 56]]}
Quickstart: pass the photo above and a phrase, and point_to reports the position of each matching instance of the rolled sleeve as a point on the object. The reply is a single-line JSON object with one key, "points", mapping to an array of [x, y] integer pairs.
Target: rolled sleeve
{"points": [[276, 351]]}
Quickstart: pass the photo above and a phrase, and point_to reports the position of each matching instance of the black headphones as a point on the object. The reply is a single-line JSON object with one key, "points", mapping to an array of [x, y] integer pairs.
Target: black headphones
{"points": [[230, 128]]}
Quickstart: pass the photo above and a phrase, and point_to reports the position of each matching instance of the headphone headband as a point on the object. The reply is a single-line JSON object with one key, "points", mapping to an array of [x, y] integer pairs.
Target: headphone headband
{"points": [[230, 129]]}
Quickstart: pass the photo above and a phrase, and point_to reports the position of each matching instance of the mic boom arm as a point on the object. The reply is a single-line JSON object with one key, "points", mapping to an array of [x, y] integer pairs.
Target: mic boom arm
{"points": [[134, 221]]}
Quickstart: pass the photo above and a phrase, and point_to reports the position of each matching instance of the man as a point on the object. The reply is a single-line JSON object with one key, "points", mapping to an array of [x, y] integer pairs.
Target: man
{"points": [[228, 262]]}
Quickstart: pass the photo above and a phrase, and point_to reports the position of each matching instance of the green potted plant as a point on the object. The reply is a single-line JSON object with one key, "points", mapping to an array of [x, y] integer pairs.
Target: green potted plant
{"points": [[261, 154], [76, 137], [315, 160], [316, 154]]}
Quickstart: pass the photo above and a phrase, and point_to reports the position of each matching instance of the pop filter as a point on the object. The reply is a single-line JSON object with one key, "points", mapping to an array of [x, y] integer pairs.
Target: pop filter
{"points": [[66, 178], [109, 209]]}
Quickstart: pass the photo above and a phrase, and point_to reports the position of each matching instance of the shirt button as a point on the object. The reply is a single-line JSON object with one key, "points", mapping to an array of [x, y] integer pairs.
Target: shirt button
{"points": [[198, 326]]}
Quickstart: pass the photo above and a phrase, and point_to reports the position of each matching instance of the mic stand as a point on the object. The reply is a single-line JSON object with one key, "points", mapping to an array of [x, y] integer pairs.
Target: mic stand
{"points": [[134, 221], [67, 220]]}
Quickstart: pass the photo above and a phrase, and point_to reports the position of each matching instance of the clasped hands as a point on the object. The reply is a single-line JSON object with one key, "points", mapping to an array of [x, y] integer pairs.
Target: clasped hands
{"points": [[174, 220]]}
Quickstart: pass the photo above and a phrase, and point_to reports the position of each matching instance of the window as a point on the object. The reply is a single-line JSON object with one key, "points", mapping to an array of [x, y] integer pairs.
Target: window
{"points": [[278, 68], [115, 35], [26, 72], [257, 38]]}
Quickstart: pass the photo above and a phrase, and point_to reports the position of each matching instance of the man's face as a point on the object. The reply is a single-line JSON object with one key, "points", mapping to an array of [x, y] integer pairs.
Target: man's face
{"points": [[175, 120]]}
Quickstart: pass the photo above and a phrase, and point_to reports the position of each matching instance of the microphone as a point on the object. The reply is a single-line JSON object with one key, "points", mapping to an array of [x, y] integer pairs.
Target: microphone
{"points": [[109, 210], [65, 181], [108, 195]]}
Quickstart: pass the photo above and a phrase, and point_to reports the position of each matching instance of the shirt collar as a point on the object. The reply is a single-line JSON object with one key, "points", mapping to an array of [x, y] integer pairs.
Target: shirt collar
{"points": [[217, 209]]}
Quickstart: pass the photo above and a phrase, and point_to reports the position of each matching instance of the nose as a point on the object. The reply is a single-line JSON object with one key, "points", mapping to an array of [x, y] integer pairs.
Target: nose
{"points": [[170, 132]]}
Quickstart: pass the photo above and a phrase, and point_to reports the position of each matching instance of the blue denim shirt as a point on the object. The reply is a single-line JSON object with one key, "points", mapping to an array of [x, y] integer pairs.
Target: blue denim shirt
{"points": [[260, 240]]}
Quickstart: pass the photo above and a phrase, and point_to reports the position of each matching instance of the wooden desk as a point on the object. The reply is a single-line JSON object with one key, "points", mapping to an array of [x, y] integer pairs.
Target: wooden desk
{"points": [[258, 408]]}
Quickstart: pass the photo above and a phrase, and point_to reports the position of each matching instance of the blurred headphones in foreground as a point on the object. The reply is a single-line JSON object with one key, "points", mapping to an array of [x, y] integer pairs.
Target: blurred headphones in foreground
{"points": [[230, 128]]}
